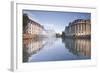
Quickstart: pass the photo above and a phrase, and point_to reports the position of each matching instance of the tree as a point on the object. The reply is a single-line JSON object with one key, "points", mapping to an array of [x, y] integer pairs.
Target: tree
{"points": [[63, 34]]}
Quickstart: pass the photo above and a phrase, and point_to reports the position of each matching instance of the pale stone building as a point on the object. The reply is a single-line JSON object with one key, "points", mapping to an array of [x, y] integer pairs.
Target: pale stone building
{"points": [[31, 28], [34, 28], [78, 28]]}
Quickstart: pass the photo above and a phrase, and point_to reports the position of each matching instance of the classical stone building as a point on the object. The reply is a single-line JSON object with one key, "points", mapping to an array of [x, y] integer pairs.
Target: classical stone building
{"points": [[78, 28], [31, 28]]}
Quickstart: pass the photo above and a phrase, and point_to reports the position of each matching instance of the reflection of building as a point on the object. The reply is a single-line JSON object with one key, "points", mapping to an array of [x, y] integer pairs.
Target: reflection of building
{"points": [[78, 46], [78, 28], [31, 28], [31, 46]]}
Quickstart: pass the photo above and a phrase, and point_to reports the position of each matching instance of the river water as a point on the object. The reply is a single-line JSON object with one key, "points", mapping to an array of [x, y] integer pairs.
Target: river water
{"points": [[56, 49]]}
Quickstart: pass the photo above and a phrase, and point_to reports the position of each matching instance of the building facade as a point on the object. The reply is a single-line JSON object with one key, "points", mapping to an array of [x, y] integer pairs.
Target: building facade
{"points": [[31, 28], [78, 28]]}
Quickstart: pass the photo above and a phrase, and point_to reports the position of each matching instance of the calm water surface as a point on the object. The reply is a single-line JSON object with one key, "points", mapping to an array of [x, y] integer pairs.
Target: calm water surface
{"points": [[56, 49]]}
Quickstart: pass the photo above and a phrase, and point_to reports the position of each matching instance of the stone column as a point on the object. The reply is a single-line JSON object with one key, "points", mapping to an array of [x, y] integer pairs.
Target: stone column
{"points": [[85, 28], [80, 28], [77, 29]]}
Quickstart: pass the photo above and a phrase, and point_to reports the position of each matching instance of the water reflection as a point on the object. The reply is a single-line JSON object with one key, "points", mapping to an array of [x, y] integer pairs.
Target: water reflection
{"points": [[55, 49], [31, 46], [78, 46]]}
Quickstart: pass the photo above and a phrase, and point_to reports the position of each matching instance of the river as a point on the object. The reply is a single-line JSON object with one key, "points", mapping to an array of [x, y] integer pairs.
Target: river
{"points": [[56, 49]]}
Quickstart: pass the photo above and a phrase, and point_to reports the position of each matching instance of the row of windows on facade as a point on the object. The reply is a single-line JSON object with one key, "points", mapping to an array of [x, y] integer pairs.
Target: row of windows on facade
{"points": [[35, 23], [33, 28], [78, 26]]}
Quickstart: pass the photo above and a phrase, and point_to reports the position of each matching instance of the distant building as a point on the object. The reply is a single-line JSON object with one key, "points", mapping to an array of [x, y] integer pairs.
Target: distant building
{"points": [[78, 28]]}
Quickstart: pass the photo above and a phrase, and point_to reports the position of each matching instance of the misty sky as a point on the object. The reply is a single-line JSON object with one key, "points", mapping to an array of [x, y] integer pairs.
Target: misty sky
{"points": [[55, 20]]}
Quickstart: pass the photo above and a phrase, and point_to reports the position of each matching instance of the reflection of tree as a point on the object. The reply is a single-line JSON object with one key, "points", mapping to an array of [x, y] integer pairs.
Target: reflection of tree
{"points": [[78, 46]]}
